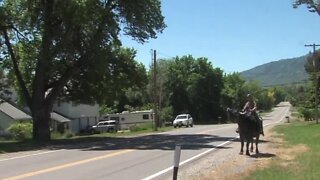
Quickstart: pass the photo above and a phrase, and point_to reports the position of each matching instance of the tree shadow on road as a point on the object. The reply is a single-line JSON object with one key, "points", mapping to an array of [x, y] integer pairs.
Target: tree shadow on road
{"points": [[146, 142], [159, 141]]}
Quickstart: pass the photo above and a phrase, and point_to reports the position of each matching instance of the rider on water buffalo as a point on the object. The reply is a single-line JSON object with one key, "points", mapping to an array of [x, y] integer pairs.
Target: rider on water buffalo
{"points": [[250, 110]]}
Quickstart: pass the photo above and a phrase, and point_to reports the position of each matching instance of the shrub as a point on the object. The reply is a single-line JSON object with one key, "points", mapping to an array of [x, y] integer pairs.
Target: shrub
{"points": [[21, 130], [140, 127], [166, 115], [306, 113], [65, 135]]}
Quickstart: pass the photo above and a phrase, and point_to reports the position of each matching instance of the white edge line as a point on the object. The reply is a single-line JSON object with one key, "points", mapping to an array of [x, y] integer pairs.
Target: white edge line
{"points": [[29, 155], [186, 161], [203, 153]]}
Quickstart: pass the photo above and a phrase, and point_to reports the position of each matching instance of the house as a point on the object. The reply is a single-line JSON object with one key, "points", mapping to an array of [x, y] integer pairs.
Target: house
{"points": [[72, 115], [9, 114], [59, 122], [81, 115]]}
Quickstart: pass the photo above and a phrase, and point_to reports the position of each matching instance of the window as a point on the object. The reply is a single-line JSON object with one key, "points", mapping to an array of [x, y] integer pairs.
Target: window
{"points": [[181, 117], [114, 118], [145, 116]]}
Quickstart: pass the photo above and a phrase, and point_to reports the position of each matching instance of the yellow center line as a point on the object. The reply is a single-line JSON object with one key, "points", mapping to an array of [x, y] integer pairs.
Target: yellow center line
{"points": [[55, 168]]}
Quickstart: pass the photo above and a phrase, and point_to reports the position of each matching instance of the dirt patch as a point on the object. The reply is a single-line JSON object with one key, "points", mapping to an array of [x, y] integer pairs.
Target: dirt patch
{"points": [[235, 166]]}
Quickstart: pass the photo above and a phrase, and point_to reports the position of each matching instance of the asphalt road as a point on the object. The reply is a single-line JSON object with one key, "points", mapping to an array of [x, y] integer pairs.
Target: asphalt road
{"points": [[144, 157]]}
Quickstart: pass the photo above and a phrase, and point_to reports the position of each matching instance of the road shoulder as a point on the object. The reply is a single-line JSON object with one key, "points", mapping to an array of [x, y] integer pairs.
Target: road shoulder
{"points": [[227, 163]]}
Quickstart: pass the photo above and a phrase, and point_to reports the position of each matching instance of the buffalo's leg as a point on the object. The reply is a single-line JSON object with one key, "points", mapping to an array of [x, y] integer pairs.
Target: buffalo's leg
{"points": [[242, 143], [251, 147], [257, 142], [247, 148]]}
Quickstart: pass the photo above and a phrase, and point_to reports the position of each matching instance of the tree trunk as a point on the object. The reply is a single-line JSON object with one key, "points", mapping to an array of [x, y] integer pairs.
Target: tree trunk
{"points": [[41, 125]]}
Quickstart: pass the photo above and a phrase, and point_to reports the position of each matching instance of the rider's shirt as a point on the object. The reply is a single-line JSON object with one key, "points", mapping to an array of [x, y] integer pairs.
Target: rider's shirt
{"points": [[249, 105]]}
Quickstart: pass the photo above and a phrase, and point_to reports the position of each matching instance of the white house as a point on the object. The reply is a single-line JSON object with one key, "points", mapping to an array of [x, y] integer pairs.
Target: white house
{"points": [[81, 115], [10, 114], [59, 122]]}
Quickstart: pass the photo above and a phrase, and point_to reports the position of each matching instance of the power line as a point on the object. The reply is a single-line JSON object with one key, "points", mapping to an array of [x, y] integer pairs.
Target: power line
{"points": [[166, 55]]}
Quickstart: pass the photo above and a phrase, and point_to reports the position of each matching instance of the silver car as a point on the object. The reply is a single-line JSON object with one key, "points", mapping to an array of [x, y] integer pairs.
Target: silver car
{"points": [[105, 126], [183, 120]]}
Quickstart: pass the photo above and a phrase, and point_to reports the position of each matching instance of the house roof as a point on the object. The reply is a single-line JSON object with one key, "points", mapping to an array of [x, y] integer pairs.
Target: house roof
{"points": [[58, 117], [13, 111]]}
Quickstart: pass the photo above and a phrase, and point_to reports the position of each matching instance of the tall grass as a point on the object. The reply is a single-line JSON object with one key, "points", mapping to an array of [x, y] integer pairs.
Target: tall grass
{"points": [[306, 165]]}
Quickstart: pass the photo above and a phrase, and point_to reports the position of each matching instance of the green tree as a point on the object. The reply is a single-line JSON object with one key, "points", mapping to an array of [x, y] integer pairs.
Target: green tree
{"points": [[177, 84], [312, 5], [299, 95], [308, 102], [232, 95], [69, 40], [2, 80], [262, 97], [312, 67], [205, 88], [194, 87], [265, 100], [279, 94], [162, 93]]}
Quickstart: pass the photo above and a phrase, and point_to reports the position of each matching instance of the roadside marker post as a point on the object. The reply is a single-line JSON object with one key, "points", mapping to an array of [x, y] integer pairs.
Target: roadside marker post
{"points": [[176, 161], [288, 119]]}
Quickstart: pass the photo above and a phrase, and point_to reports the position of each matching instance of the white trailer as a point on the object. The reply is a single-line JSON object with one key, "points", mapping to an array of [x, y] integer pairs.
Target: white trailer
{"points": [[127, 119]]}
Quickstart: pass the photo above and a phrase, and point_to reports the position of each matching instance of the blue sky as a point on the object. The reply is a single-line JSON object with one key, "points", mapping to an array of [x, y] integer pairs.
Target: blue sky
{"points": [[234, 35]]}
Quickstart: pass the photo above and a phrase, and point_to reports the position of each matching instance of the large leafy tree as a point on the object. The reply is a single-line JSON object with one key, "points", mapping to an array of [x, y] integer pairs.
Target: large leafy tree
{"points": [[312, 68], [232, 95], [61, 42], [3, 83], [161, 93], [279, 94], [108, 80], [312, 5], [178, 82], [194, 87]]}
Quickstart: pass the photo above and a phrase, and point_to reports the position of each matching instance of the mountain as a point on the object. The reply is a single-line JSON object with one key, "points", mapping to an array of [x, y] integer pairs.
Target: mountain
{"points": [[282, 72]]}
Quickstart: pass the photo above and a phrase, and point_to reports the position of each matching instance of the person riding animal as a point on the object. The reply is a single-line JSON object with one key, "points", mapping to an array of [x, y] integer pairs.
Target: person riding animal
{"points": [[250, 109]]}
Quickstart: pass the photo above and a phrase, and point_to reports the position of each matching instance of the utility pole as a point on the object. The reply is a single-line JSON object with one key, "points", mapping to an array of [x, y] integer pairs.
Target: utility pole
{"points": [[155, 94], [315, 65]]}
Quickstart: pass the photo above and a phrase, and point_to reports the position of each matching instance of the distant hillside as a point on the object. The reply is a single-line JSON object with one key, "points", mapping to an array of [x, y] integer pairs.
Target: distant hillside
{"points": [[282, 72]]}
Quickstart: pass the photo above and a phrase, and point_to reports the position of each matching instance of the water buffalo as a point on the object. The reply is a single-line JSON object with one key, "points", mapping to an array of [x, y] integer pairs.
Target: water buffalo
{"points": [[248, 130]]}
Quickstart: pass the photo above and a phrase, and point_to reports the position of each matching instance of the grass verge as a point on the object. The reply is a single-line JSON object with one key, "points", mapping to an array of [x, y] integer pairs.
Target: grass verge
{"points": [[298, 164], [7, 145]]}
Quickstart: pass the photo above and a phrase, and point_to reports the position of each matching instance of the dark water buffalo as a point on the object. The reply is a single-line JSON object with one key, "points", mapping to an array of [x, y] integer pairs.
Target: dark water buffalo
{"points": [[248, 131]]}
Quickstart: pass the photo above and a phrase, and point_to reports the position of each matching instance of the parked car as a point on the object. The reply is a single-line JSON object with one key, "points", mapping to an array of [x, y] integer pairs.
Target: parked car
{"points": [[104, 126], [183, 120]]}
